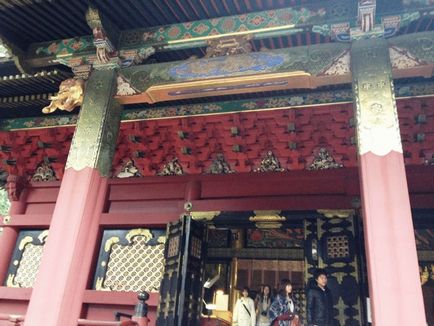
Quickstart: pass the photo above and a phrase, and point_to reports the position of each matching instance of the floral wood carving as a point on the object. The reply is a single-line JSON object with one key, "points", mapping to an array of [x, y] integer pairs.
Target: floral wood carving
{"points": [[128, 170], [269, 164], [44, 172], [324, 161], [171, 168], [219, 165], [70, 96]]}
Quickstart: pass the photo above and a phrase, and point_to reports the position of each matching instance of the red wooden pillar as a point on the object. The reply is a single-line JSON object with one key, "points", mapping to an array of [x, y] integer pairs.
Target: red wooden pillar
{"points": [[393, 272], [59, 288], [9, 234]]}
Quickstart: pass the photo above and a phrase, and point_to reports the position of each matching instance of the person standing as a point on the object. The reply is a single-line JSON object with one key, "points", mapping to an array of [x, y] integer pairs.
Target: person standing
{"points": [[244, 312], [319, 301], [263, 304], [285, 310]]}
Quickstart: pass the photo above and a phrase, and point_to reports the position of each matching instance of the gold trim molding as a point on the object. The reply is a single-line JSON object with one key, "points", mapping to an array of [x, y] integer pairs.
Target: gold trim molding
{"points": [[204, 216], [267, 219], [339, 213]]}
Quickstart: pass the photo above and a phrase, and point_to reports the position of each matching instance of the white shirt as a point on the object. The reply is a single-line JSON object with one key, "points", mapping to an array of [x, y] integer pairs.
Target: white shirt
{"points": [[241, 317]]}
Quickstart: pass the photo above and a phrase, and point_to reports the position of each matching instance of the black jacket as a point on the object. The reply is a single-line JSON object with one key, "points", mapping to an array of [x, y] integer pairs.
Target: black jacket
{"points": [[319, 307]]}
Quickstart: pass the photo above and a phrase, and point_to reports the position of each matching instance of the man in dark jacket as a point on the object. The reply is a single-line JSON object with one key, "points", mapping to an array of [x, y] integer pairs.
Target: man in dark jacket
{"points": [[319, 301]]}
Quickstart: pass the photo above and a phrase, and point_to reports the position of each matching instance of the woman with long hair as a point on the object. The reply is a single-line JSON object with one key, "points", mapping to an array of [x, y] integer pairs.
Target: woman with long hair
{"points": [[263, 303], [285, 310]]}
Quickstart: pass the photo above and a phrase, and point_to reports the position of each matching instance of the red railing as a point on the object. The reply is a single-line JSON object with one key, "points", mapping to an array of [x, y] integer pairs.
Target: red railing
{"points": [[140, 318]]}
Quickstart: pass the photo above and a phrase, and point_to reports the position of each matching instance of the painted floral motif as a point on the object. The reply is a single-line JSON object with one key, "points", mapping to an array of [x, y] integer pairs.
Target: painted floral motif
{"points": [[246, 22], [124, 88], [67, 46], [201, 28], [174, 31], [257, 20], [227, 24]]}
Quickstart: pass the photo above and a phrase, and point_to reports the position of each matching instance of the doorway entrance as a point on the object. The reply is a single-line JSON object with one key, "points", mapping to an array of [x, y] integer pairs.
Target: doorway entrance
{"points": [[214, 254]]}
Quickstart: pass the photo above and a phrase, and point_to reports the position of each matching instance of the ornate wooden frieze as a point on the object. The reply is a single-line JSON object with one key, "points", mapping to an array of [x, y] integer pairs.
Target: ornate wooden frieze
{"points": [[296, 100], [95, 136], [376, 114], [130, 260], [26, 258], [295, 136]]}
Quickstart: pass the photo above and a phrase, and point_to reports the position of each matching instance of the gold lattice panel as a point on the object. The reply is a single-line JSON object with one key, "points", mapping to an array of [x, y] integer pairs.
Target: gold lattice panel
{"points": [[338, 246], [135, 267], [29, 266]]}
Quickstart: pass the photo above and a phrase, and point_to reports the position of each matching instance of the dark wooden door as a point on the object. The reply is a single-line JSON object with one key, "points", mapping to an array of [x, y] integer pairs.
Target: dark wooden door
{"points": [[181, 287]]}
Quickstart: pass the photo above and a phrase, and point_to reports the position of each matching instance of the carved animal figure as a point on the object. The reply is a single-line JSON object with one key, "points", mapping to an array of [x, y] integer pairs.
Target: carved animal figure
{"points": [[69, 97]]}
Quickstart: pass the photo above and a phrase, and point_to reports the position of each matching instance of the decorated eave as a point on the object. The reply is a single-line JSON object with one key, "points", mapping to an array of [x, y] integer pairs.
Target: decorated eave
{"points": [[272, 47]]}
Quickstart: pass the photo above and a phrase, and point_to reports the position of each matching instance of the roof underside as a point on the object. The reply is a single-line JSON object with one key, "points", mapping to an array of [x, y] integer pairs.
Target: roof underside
{"points": [[29, 21]]}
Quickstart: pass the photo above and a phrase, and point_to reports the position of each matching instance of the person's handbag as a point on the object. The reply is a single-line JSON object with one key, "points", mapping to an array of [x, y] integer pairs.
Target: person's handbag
{"points": [[295, 320]]}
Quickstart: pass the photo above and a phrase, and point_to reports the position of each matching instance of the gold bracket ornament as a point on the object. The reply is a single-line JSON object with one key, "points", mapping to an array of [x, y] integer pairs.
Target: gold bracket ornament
{"points": [[70, 96], [238, 44], [375, 106]]}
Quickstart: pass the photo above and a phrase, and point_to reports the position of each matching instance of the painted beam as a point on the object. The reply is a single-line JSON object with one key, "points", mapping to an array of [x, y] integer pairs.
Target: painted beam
{"points": [[297, 100], [291, 68], [328, 18]]}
